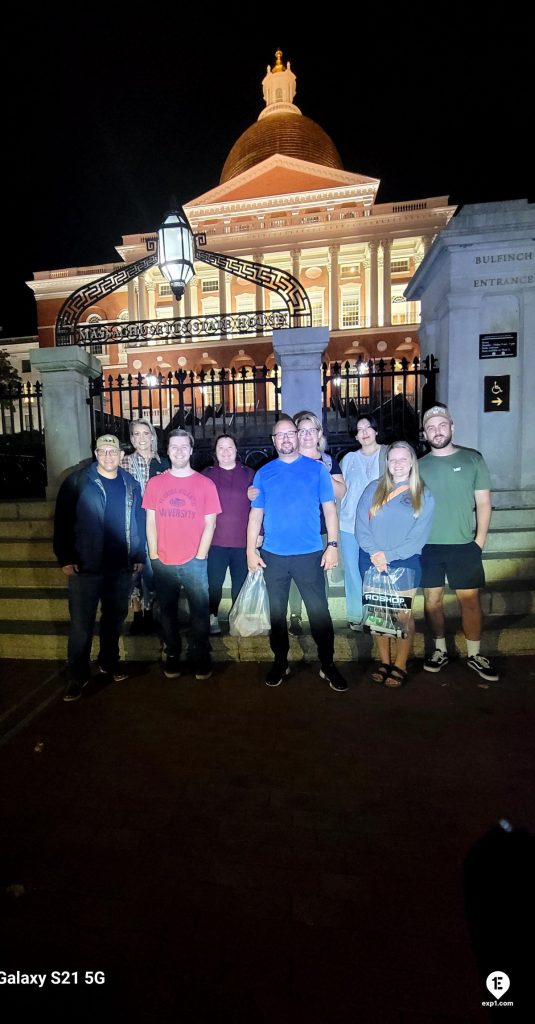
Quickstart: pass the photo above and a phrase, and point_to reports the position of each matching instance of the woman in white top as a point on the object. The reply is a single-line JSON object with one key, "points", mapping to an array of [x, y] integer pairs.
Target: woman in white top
{"points": [[358, 470]]}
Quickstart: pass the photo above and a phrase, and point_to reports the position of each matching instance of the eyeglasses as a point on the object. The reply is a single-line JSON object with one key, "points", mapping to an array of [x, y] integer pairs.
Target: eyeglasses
{"points": [[307, 430], [108, 451], [286, 433]]}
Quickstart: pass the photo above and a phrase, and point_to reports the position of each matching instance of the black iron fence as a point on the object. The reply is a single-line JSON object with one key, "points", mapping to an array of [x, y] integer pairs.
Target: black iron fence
{"points": [[21, 408], [245, 402], [22, 449], [395, 392]]}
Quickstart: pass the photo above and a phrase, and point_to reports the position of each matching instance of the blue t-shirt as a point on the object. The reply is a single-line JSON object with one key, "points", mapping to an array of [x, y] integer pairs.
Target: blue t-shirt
{"points": [[291, 494]]}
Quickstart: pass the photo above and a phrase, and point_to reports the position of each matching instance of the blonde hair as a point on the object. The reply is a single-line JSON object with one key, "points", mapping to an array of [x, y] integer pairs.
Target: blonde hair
{"points": [[386, 484], [306, 415], [153, 434]]}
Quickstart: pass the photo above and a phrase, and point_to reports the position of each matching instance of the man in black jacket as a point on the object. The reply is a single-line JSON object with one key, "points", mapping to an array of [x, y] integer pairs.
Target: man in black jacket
{"points": [[99, 541]]}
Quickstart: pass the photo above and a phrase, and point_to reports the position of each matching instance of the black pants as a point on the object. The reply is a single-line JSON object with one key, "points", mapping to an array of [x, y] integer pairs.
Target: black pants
{"points": [[310, 578]]}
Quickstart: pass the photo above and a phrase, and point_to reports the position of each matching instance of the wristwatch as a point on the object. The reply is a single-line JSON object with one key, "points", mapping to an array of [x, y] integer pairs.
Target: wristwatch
{"points": [[332, 543]]}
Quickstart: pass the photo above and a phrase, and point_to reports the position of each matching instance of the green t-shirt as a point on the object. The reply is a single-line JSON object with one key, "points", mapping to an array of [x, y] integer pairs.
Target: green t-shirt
{"points": [[452, 480]]}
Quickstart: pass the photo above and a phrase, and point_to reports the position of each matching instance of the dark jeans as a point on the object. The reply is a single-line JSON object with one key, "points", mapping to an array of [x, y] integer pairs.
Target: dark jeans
{"points": [[219, 560], [144, 587], [85, 592], [193, 576], [310, 579]]}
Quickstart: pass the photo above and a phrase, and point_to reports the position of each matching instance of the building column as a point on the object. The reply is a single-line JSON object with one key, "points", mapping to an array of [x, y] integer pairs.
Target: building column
{"points": [[151, 289], [387, 282], [298, 352], [132, 313], [334, 288], [258, 257], [141, 298], [186, 308], [374, 284], [64, 374], [427, 241], [222, 292]]}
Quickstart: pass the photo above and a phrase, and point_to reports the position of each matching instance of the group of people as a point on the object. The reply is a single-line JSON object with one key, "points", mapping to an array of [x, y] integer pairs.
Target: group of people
{"points": [[129, 529]]}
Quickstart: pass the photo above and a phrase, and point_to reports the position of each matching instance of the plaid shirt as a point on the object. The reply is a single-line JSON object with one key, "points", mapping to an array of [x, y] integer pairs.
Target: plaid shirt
{"points": [[139, 467]]}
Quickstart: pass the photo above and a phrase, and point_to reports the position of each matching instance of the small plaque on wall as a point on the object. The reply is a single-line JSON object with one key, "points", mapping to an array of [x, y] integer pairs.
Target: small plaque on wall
{"points": [[498, 346]]}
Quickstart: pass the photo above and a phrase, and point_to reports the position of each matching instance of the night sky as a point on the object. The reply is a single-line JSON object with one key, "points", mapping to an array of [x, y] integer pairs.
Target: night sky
{"points": [[103, 121]]}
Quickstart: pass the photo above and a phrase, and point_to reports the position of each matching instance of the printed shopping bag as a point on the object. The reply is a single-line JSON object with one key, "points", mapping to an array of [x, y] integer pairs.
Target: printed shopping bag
{"points": [[382, 600]]}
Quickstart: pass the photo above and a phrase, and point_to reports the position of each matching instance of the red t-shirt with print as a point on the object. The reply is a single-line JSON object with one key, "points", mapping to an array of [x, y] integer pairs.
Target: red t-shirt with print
{"points": [[180, 504]]}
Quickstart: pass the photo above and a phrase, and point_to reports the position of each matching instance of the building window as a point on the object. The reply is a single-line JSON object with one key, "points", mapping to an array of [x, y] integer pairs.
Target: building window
{"points": [[399, 266], [316, 296], [96, 347], [350, 307], [26, 366], [210, 307], [164, 289], [210, 284], [400, 308]]}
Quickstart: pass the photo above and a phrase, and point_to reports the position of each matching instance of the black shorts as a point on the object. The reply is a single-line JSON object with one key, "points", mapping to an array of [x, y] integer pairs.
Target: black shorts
{"points": [[460, 564]]}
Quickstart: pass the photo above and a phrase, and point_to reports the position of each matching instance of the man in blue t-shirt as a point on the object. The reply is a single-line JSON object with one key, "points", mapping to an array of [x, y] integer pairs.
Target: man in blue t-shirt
{"points": [[287, 510]]}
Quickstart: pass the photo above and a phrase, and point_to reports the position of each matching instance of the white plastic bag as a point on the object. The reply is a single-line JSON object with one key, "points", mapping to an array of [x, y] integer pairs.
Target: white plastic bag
{"points": [[249, 615]]}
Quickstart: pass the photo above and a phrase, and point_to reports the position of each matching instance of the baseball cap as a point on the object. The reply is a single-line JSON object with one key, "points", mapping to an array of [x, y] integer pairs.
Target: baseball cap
{"points": [[108, 441], [437, 410]]}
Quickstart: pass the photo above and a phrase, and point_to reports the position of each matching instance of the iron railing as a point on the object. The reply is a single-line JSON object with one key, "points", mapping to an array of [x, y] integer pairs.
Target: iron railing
{"points": [[245, 402], [21, 408], [22, 448], [395, 392]]}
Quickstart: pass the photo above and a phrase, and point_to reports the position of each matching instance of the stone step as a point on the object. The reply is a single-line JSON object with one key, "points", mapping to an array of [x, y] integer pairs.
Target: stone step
{"points": [[26, 529], [510, 540], [50, 604], [510, 518], [506, 635], [27, 509], [23, 551], [33, 574]]}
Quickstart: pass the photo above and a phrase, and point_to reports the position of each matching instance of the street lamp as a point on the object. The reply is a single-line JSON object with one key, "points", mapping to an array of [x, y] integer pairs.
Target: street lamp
{"points": [[176, 250]]}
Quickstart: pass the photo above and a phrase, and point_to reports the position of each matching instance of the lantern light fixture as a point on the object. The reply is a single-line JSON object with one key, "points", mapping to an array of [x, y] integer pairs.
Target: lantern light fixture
{"points": [[176, 248]]}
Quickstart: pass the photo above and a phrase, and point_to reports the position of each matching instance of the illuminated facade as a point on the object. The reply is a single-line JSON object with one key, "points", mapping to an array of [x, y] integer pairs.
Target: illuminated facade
{"points": [[285, 200]]}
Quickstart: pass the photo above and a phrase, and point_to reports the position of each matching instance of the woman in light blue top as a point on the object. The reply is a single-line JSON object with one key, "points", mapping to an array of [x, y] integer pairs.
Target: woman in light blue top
{"points": [[358, 469]]}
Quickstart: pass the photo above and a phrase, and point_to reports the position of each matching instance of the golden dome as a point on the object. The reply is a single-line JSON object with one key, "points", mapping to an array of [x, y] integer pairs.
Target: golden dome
{"points": [[289, 134]]}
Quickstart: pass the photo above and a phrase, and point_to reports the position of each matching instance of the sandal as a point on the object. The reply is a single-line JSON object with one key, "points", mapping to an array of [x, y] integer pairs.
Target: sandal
{"points": [[396, 677], [381, 673]]}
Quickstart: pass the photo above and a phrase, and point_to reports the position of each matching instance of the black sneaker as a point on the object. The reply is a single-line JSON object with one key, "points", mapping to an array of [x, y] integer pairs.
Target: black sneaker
{"points": [[295, 627], [334, 678], [436, 661], [483, 667], [118, 676], [74, 690], [276, 674], [171, 668], [203, 671]]}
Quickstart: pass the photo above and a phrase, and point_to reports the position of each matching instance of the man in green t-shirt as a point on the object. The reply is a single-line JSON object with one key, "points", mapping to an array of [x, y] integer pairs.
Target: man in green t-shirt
{"points": [[459, 481]]}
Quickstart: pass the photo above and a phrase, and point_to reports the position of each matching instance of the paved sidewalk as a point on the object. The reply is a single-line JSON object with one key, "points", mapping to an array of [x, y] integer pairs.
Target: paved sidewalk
{"points": [[223, 852]]}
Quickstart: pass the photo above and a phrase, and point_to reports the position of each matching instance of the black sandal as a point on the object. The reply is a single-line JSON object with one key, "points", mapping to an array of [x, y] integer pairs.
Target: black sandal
{"points": [[396, 677], [381, 673]]}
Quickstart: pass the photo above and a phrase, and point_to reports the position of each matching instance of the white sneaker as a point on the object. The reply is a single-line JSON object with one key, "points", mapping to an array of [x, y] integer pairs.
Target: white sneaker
{"points": [[215, 628]]}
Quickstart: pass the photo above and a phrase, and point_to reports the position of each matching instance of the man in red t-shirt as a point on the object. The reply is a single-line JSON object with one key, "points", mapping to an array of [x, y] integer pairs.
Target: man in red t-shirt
{"points": [[181, 507]]}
